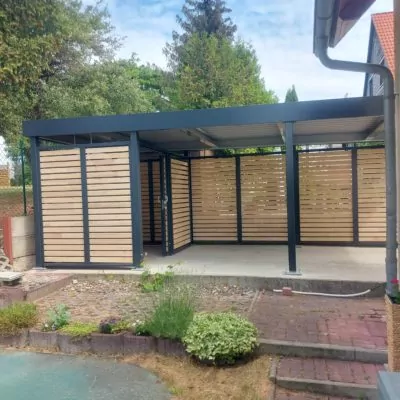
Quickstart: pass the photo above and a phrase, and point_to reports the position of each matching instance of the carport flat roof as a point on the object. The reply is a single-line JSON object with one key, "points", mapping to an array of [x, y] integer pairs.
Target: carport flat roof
{"points": [[315, 122]]}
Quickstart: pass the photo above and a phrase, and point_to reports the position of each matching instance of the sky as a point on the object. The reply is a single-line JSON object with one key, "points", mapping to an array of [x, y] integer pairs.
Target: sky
{"points": [[280, 31]]}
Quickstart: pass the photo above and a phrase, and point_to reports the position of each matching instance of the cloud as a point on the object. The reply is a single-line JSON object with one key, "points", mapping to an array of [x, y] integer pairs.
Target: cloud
{"points": [[280, 31]]}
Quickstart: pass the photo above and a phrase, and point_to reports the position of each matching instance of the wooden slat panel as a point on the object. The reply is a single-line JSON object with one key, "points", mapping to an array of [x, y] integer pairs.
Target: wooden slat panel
{"points": [[109, 203], [62, 205], [371, 195], [180, 203], [326, 210], [214, 196], [263, 184]]}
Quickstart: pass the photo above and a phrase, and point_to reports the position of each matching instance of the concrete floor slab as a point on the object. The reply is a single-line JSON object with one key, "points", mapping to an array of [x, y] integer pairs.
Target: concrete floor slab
{"points": [[314, 262], [363, 264]]}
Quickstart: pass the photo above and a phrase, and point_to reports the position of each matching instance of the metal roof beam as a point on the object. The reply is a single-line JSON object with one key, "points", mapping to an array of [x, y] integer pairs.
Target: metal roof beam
{"points": [[375, 132], [203, 136]]}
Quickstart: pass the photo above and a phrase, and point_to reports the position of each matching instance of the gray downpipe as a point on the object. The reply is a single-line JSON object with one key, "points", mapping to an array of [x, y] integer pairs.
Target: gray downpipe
{"points": [[321, 51]]}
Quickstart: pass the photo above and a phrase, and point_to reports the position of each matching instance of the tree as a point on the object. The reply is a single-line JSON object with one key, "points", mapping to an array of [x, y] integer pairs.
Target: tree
{"points": [[217, 73], [40, 40], [96, 89], [200, 17], [291, 95]]}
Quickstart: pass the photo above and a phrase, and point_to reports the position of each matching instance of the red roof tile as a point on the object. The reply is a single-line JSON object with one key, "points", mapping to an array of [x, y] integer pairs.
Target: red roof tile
{"points": [[384, 26]]}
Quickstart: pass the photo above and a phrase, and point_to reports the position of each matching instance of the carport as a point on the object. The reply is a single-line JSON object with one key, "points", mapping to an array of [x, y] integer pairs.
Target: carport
{"points": [[105, 185]]}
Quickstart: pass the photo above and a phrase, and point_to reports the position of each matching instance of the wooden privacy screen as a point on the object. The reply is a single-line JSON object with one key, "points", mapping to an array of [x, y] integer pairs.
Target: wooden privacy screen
{"points": [[60, 176], [263, 194], [144, 178], [109, 203], [214, 199], [371, 195], [326, 211], [157, 201], [180, 203], [151, 210]]}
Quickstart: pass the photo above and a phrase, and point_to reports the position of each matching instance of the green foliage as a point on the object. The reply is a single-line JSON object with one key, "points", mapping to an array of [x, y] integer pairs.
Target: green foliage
{"points": [[217, 73], [220, 338], [79, 329], [114, 325], [97, 89], [291, 95], [57, 318], [43, 39], [172, 314], [199, 17], [16, 317], [155, 282]]}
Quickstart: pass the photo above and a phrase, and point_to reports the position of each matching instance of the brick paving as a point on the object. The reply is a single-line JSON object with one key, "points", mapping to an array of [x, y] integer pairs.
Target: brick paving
{"points": [[283, 394], [347, 322], [329, 370]]}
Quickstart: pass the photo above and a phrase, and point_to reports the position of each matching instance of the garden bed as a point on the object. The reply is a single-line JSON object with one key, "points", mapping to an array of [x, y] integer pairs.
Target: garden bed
{"points": [[90, 300]]}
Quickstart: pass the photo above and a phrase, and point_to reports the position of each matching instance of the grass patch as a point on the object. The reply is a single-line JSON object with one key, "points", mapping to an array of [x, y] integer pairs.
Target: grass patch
{"points": [[16, 317], [190, 381], [79, 329]]}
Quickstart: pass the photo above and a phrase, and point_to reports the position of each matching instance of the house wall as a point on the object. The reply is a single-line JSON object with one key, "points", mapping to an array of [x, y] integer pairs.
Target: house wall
{"points": [[376, 88], [4, 176]]}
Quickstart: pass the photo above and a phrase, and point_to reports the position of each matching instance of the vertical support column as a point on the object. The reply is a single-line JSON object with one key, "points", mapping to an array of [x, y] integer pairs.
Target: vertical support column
{"points": [[164, 236], [354, 189], [238, 200], [291, 196], [190, 200], [136, 200], [151, 199], [37, 204], [297, 194], [85, 207], [169, 205]]}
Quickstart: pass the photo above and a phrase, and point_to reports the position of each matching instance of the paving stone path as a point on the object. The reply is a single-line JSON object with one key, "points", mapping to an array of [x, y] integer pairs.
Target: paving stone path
{"points": [[310, 319]]}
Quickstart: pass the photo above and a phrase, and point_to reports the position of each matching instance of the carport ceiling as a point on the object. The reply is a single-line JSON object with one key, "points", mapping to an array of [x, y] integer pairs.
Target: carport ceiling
{"points": [[315, 122]]}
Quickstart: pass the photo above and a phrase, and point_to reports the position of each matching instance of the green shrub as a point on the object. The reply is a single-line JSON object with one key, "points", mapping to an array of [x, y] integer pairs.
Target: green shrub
{"points": [[16, 317], [220, 338], [57, 318], [79, 329], [172, 315], [155, 282]]}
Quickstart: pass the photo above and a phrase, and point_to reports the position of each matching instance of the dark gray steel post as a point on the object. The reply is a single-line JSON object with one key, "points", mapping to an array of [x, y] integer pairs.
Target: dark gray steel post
{"points": [[291, 196], [37, 203], [136, 200], [354, 180], [321, 52], [238, 200], [85, 206], [170, 222], [151, 199], [22, 150]]}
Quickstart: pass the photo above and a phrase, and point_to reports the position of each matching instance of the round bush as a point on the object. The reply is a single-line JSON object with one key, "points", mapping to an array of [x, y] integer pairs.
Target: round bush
{"points": [[220, 338]]}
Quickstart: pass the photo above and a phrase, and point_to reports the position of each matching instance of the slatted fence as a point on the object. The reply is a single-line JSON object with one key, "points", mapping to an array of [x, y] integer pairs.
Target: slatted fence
{"points": [[180, 203], [214, 199], [326, 208], [62, 218]]}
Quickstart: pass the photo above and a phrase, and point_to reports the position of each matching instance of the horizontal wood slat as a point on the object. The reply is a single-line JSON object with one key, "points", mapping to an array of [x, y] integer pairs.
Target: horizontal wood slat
{"points": [[371, 195], [214, 195], [263, 193], [325, 180]]}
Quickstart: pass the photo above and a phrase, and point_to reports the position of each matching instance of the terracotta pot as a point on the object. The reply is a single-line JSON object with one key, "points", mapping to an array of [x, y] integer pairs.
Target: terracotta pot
{"points": [[393, 334]]}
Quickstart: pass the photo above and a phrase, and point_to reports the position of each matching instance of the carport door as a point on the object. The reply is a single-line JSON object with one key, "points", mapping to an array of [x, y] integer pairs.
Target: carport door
{"points": [[109, 205]]}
